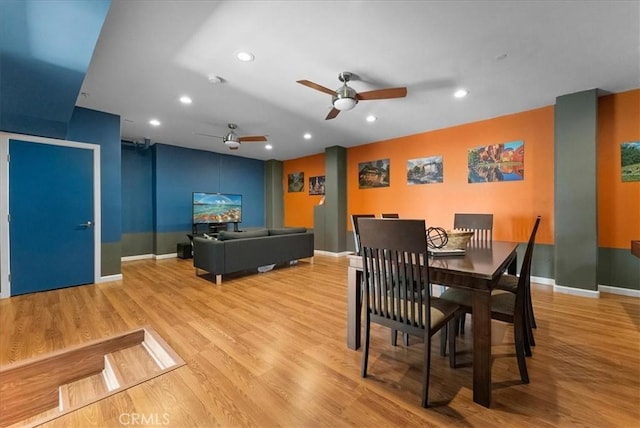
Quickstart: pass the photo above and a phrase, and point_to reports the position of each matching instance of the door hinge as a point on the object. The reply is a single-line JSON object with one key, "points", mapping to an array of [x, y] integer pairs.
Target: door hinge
{"points": [[8, 157]]}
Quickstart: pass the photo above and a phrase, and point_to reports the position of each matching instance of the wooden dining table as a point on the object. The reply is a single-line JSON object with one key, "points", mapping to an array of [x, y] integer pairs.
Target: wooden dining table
{"points": [[478, 270]]}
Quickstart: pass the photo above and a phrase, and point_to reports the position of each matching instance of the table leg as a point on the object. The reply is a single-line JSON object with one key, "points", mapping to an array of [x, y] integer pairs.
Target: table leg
{"points": [[481, 316], [354, 307]]}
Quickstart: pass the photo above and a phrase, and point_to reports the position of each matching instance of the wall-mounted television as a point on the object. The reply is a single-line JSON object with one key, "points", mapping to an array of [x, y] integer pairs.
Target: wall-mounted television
{"points": [[212, 208]]}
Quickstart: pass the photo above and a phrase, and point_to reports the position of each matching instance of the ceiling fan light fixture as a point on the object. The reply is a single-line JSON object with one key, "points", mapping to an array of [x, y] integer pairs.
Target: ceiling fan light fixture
{"points": [[344, 104], [232, 144]]}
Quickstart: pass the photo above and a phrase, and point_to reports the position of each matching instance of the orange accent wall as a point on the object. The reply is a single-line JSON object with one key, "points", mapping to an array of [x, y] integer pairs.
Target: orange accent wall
{"points": [[618, 202], [298, 206], [513, 204]]}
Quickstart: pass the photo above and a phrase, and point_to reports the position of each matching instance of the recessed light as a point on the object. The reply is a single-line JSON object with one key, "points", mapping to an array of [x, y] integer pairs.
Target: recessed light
{"points": [[371, 118], [154, 122], [307, 136], [245, 56], [268, 147], [461, 93], [185, 100]]}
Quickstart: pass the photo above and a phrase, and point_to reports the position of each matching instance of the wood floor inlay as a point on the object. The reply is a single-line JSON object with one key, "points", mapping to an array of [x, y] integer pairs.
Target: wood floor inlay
{"points": [[46, 387]]}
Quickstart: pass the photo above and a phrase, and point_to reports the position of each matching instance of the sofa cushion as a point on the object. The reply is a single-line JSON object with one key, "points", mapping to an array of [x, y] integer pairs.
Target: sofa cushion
{"points": [[225, 235], [287, 230]]}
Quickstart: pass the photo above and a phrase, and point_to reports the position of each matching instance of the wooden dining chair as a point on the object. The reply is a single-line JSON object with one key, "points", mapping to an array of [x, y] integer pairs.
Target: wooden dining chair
{"points": [[510, 283], [480, 224], [506, 306], [482, 227], [396, 287], [390, 215], [354, 227]]}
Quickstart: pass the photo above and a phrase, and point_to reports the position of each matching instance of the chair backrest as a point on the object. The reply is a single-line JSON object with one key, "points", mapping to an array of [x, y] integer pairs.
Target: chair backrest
{"points": [[396, 287], [480, 224], [390, 215], [354, 226], [524, 281], [525, 269]]}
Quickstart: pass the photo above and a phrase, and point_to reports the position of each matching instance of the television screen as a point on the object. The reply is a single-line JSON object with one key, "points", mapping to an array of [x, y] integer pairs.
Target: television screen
{"points": [[216, 208]]}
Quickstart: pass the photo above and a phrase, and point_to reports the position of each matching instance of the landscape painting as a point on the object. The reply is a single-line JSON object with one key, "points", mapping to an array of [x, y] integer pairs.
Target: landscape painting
{"points": [[296, 182], [424, 170], [316, 185], [373, 174], [630, 161], [497, 162]]}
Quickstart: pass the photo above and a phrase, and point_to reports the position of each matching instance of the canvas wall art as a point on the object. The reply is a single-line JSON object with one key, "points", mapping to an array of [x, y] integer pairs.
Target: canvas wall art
{"points": [[373, 174], [316, 185], [630, 161], [497, 162], [296, 182], [424, 170]]}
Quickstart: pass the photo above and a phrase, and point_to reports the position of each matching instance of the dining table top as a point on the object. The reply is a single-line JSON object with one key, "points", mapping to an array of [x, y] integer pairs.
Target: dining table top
{"points": [[479, 260]]}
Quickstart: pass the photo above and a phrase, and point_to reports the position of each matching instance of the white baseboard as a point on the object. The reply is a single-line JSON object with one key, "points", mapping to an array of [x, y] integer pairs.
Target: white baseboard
{"points": [[576, 291], [110, 278], [543, 281], [619, 290], [330, 254], [166, 256], [138, 257]]}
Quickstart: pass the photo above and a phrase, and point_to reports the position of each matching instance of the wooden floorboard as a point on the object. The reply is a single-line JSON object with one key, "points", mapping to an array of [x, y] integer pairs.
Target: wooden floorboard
{"points": [[270, 350]]}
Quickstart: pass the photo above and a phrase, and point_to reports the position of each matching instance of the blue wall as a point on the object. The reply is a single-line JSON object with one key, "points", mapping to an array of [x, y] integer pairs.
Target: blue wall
{"points": [[137, 201], [157, 187], [179, 172], [96, 127]]}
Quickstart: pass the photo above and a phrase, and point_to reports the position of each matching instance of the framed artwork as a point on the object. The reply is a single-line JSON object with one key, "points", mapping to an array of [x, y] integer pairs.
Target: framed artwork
{"points": [[373, 174], [424, 170], [316, 185], [630, 161], [497, 162], [296, 182]]}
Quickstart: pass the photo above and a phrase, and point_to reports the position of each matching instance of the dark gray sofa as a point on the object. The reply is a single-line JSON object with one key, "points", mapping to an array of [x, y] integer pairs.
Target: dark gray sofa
{"points": [[240, 251]]}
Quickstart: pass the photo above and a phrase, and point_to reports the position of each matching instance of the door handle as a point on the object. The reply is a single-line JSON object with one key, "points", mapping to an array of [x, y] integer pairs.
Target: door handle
{"points": [[87, 225]]}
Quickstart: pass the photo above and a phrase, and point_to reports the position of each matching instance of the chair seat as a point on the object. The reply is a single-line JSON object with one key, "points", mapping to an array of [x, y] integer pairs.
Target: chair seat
{"points": [[441, 311], [508, 283], [502, 302]]}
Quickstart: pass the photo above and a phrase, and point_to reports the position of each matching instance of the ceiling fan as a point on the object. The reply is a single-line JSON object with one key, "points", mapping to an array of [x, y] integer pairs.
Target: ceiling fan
{"points": [[345, 98], [232, 140]]}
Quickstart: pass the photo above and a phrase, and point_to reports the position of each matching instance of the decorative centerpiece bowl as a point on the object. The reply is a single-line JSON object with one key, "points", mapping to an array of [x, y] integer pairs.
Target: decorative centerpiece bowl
{"points": [[458, 239]]}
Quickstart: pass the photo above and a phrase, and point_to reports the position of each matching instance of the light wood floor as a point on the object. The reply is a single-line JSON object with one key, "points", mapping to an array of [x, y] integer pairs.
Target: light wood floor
{"points": [[269, 350]]}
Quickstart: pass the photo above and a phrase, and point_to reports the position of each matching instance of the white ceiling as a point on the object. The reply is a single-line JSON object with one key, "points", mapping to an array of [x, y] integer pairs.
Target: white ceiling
{"points": [[151, 52]]}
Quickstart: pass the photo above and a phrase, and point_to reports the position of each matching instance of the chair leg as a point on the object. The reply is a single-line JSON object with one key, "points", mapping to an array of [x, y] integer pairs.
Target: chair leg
{"points": [[405, 339], [461, 321], [444, 332], [448, 330], [394, 337], [365, 350], [427, 367], [520, 341]]}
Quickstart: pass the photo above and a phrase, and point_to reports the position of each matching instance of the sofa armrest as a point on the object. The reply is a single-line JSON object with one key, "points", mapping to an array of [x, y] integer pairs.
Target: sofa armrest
{"points": [[208, 254]]}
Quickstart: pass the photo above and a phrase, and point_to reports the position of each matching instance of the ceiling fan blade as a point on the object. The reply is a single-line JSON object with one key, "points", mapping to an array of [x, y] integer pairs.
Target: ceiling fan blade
{"points": [[317, 87], [252, 138], [381, 94], [333, 113], [207, 135]]}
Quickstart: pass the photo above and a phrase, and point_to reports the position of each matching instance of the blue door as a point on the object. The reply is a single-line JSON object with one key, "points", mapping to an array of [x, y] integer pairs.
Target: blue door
{"points": [[51, 216]]}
